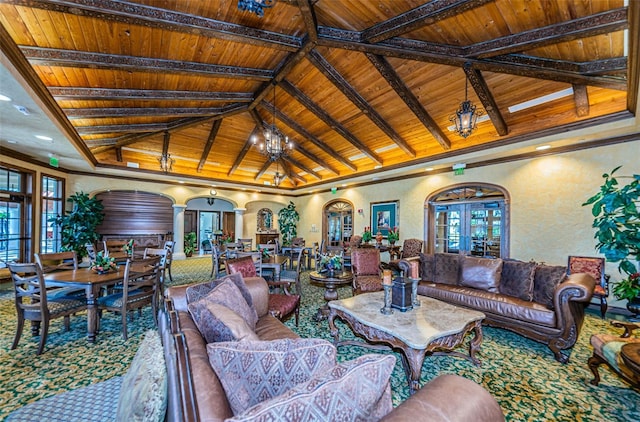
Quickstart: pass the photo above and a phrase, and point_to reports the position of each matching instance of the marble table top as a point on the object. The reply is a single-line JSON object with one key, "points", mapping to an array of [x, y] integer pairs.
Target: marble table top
{"points": [[417, 327]]}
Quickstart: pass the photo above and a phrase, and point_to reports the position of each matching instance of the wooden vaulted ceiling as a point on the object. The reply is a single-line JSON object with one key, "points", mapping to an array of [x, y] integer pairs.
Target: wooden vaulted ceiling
{"points": [[360, 85]]}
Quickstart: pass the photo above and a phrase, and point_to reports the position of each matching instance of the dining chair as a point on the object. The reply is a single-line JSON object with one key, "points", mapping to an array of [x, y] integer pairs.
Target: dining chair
{"points": [[410, 248], [163, 254], [139, 289], [169, 245], [268, 273], [247, 244], [283, 301], [34, 304], [594, 266], [218, 257], [365, 265], [57, 261], [91, 251]]}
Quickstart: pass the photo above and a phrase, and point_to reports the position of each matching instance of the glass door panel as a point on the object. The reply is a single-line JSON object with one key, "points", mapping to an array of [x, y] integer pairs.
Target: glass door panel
{"points": [[10, 233], [448, 228]]}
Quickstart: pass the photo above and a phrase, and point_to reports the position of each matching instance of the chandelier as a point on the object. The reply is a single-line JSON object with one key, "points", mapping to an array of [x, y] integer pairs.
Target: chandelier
{"points": [[166, 162], [465, 118], [255, 6], [276, 144]]}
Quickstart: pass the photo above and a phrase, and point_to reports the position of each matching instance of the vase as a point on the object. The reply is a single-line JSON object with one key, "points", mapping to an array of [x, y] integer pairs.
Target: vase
{"points": [[634, 307]]}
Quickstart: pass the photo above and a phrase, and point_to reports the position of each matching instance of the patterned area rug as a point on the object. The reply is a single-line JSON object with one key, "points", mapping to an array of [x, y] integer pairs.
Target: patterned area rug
{"points": [[520, 373]]}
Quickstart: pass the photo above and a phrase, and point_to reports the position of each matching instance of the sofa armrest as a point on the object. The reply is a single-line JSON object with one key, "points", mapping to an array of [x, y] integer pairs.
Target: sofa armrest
{"points": [[259, 290], [449, 398], [576, 288]]}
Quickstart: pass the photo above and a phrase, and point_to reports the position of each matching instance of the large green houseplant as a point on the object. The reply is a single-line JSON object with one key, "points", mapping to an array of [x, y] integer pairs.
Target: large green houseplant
{"points": [[78, 226], [190, 240], [288, 219], [616, 212]]}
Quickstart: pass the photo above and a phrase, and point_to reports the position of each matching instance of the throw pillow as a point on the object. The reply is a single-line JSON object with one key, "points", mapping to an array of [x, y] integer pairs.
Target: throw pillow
{"points": [[481, 273], [351, 391], [545, 280], [143, 394], [254, 371], [198, 291], [234, 322], [209, 324], [446, 268], [517, 279]]}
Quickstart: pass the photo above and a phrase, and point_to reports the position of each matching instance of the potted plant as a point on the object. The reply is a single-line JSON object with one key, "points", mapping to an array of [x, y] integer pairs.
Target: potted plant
{"points": [[78, 226], [366, 235], [103, 263], [393, 236], [190, 243], [330, 263], [288, 219], [616, 212]]}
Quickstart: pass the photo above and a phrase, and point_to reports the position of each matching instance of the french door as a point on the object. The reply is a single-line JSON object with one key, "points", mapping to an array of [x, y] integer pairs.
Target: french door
{"points": [[474, 228]]}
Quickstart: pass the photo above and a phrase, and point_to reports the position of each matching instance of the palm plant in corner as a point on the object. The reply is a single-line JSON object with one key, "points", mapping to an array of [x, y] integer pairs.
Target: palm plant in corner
{"points": [[616, 212]]}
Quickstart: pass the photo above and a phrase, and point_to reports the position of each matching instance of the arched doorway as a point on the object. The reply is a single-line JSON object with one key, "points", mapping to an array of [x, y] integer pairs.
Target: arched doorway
{"points": [[337, 224], [472, 219]]}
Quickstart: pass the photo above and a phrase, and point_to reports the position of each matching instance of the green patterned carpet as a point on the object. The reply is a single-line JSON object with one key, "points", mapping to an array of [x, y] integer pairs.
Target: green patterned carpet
{"points": [[520, 373]]}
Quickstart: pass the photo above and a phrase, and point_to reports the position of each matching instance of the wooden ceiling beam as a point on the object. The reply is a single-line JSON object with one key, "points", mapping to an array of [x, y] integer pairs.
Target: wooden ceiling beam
{"points": [[605, 66], [165, 142], [486, 98], [311, 138], [155, 17], [119, 155], [263, 169], [330, 121], [428, 52], [81, 59], [394, 80], [588, 26], [341, 83], [309, 19], [315, 159], [244, 151], [82, 113], [413, 19], [101, 142], [292, 175], [215, 127], [301, 166], [581, 99], [94, 94]]}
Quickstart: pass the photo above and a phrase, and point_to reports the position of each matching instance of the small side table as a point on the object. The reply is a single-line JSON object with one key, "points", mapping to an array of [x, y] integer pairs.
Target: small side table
{"points": [[330, 285], [630, 354]]}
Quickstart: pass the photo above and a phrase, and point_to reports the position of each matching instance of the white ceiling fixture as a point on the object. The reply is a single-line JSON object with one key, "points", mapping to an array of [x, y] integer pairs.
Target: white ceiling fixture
{"points": [[541, 100]]}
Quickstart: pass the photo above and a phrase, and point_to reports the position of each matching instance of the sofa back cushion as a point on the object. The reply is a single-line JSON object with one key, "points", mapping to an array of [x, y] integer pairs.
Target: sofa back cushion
{"points": [[517, 279], [427, 267], [481, 273], [446, 268], [200, 290], [254, 371], [545, 280]]}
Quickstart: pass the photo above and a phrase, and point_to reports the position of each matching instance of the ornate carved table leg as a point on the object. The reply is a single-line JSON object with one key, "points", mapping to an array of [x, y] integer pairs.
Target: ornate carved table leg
{"points": [[333, 330], [474, 345]]}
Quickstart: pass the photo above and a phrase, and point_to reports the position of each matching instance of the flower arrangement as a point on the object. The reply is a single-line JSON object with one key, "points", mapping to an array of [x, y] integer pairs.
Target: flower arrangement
{"points": [[264, 252], [366, 235], [628, 288], [128, 247], [331, 262], [226, 237], [394, 235], [103, 263]]}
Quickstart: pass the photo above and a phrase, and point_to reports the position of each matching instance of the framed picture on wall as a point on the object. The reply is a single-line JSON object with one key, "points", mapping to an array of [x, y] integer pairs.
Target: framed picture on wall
{"points": [[384, 216]]}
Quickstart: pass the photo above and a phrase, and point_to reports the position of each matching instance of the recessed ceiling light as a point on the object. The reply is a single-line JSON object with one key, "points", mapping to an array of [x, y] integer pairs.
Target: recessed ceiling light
{"points": [[429, 169], [11, 141], [44, 138], [4, 98], [543, 147], [344, 185]]}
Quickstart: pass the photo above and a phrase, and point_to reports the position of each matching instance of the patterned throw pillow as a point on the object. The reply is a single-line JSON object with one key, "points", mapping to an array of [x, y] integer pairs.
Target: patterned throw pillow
{"points": [[481, 273], [545, 280], [143, 394], [212, 327], [517, 279], [357, 390], [198, 291], [427, 267], [446, 268], [254, 371]]}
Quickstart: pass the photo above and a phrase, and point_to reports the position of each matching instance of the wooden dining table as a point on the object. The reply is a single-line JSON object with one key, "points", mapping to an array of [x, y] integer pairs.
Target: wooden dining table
{"points": [[92, 283], [275, 263]]}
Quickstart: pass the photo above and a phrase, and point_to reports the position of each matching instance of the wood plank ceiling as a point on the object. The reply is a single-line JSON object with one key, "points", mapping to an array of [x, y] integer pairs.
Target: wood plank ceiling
{"points": [[360, 86]]}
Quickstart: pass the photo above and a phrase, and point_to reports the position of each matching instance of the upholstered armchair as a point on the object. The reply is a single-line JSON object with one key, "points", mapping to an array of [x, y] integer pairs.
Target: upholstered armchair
{"points": [[365, 265], [410, 248], [595, 268], [607, 349]]}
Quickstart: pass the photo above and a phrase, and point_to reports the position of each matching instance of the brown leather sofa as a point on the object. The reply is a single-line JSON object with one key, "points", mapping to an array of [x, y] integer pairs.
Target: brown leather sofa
{"points": [[196, 394], [539, 302]]}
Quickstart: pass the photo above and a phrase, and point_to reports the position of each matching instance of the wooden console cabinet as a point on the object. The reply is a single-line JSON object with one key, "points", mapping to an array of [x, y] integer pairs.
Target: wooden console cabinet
{"points": [[266, 237]]}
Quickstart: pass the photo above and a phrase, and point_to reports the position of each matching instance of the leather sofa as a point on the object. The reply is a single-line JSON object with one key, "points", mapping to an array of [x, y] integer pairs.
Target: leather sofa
{"points": [[196, 394], [539, 302]]}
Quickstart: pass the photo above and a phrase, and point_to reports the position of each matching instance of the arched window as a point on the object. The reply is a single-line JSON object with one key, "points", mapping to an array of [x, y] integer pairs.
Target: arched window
{"points": [[471, 219], [338, 223]]}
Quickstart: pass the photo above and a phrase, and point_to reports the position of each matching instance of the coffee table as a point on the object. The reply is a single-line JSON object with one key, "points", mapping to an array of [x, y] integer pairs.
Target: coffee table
{"points": [[630, 354], [330, 285], [433, 328]]}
